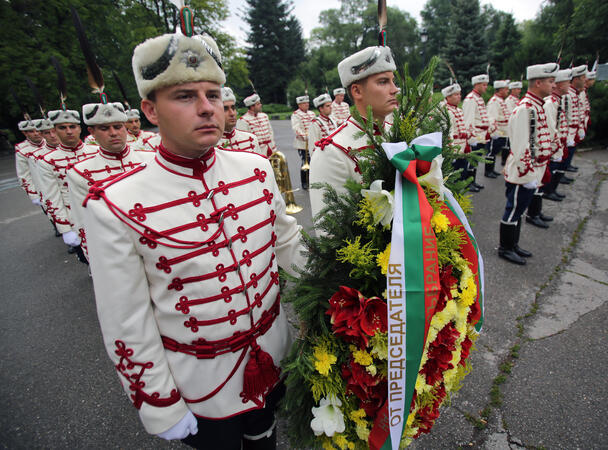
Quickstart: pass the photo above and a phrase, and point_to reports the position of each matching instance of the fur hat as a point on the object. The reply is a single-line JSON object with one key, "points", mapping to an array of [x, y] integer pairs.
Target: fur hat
{"points": [[173, 59], [43, 124], [228, 95], [132, 113], [563, 75], [499, 84], [451, 89], [64, 116], [579, 70], [536, 71], [515, 85], [27, 125], [366, 62], [321, 100], [251, 100], [339, 91], [591, 75], [102, 113], [483, 78], [302, 99]]}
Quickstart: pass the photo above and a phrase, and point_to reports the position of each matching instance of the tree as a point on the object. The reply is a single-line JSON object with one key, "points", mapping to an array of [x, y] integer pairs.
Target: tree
{"points": [[436, 16], [275, 47], [503, 51]]}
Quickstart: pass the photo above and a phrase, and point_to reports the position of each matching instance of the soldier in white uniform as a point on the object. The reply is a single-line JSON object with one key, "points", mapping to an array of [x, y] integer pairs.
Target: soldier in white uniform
{"points": [[459, 132], [584, 96], [476, 117], [499, 113], [576, 122], [233, 138], [340, 110], [369, 80], [530, 151], [106, 122], [256, 122], [23, 151], [511, 101], [53, 172], [324, 124], [134, 131], [184, 254], [301, 120], [556, 109]]}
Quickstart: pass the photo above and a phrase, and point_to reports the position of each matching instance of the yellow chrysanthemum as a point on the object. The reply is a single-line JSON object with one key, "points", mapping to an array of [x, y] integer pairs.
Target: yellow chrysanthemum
{"points": [[342, 443], [323, 360], [362, 357], [383, 258], [467, 297], [440, 222]]}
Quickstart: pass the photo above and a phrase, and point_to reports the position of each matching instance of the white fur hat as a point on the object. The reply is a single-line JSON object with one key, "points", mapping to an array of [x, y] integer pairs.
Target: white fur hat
{"points": [[483, 78], [228, 95], [302, 99], [102, 113], [579, 70], [173, 59], [515, 85], [132, 113], [499, 84], [563, 75], [339, 91], [43, 124], [321, 100], [26, 125], [64, 116], [366, 62], [251, 100], [536, 71], [451, 89], [591, 75]]}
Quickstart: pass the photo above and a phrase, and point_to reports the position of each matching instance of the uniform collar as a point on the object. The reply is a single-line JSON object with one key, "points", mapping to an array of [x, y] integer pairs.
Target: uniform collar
{"points": [[116, 156], [325, 118], [78, 146], [352, 120], [180, 165], [535, 98], [135, 135], [230, 135], [474, 91]]}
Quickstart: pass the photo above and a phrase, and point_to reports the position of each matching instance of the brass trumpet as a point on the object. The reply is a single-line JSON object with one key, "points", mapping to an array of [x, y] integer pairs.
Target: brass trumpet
{"points": [[281, 174]]}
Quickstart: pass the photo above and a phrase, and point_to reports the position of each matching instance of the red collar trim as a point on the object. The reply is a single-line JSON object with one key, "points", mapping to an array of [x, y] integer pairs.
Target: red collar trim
{"points": [[78, 146], [230, 135], [133, 134], [192, 167], [475, 92], [354, 122], [535, 98], [117, 156]]}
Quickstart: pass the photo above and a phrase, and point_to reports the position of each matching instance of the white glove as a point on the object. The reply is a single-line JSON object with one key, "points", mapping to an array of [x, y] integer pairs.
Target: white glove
{"points": [[473, 142], [71, 238], [531, 185], [188, 425], [570, 143], [581, 135], [36, 201]]}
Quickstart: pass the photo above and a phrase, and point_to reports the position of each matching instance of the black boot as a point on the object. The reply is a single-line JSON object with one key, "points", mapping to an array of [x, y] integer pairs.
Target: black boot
{"points": [[520, 251], [504, 153], [533, 213], [489, 167], [549, 191], [474, 183], [572, 168], [304, 179], [506, 250], [566, 180]]}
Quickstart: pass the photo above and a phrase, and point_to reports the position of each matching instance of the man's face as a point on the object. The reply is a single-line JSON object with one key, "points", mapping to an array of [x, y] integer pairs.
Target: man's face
{"points": [[545, 86], [325, 109], [304, 106], [377, 90], [230, 116], [133, 125], [257, 108], [112, 137], [589, 82], [68, 133], [515, 92], [562, 87], [454, 99], [502, 92], [481, 87], [339, 98], [579, 82], [33, 136], [190, 116], [50, 137]]}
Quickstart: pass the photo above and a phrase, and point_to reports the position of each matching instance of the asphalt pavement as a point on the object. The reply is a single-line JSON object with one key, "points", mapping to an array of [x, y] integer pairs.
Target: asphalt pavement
{"points": [[538, 378]]}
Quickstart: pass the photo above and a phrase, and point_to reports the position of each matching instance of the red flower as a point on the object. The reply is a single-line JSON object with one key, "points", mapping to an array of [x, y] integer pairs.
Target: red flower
{"points": [[344, 306], [466, 348], [447, 281], [374, 316], [474, 313]]}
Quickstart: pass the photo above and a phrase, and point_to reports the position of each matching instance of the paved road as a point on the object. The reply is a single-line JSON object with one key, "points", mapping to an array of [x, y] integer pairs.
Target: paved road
{"points": [[58, 388]]}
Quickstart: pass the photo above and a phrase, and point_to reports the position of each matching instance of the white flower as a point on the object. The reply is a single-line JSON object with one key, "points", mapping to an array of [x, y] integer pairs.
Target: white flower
{"points": [[434, 178], [381, 200], [328, 417]]}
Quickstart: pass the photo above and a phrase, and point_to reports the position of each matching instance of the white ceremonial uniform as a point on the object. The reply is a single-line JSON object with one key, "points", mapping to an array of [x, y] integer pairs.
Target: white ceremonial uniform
{"points": [[557, 123], [585, 109], [241, 140], [143, 141], [340, 112], [459, 132], [23, 152], [321, 127], [184, 255], [476, 117], [332, 161], [259, 125], [576, 127], [498, 113], [511, 102], [96, 169], [300, 123], [53, 172], [530, 154], [34, 162], [90, 140]]}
